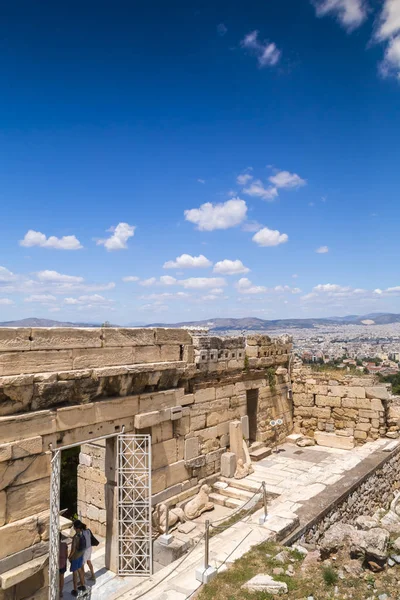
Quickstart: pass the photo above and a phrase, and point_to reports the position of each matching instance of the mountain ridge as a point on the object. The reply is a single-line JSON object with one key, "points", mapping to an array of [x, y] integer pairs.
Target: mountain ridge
{"points": [[234, 324]]}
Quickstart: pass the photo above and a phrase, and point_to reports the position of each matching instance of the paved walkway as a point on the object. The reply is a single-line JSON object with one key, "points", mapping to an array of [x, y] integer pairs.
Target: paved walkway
{"points": [[295, 474]]}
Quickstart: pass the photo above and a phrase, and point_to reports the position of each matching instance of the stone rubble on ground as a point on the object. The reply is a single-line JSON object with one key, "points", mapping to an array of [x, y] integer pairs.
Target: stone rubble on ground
{"points": [[265, 583]]}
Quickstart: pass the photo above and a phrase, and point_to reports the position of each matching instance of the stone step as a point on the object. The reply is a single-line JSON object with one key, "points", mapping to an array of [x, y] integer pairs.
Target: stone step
{"points": [[225, 501], [293, 438], [242, 484], [260, 453], [242, 495], [256, 445]]}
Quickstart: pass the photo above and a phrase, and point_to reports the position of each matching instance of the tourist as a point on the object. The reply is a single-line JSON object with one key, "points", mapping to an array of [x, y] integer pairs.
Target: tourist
{"points": [[62, 566], [88, 550], [76, 557]]}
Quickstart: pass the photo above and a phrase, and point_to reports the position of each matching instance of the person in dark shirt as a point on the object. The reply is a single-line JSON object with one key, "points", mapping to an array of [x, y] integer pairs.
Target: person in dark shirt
{"points": [[76, 558]]}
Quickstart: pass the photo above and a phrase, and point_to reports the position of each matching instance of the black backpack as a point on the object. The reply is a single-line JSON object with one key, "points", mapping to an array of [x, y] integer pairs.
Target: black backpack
{"points": [[81, 543]]}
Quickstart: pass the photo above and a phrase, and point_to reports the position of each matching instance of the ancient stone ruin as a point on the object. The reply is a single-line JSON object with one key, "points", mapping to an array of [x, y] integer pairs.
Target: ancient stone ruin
{"points": [[209, 404], [192, 393]]}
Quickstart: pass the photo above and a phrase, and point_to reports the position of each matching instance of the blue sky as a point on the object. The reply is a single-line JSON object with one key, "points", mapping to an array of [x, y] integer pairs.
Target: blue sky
{"points": [[254, 146]]}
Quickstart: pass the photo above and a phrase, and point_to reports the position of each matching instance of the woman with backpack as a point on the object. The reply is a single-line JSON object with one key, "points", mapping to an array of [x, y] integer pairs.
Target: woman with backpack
{"points": [[87, 556], [78, 547]]}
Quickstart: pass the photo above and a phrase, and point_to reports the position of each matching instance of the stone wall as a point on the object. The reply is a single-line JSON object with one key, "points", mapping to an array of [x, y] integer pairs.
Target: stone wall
{"points": [[342, 404], [376, 491], [65, 386]]}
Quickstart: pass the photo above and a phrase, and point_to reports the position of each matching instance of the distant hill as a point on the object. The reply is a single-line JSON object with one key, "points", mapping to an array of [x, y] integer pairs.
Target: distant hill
{"points": [[253, 323], [34, 322], [220, 324]]}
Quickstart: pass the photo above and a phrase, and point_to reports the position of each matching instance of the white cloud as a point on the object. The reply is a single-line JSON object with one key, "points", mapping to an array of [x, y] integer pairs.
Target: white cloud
{"points": [[330, 288], [130, 278], [168, 280], [155, 307], [257, 189], [121, 234], [222, 29], [186, 261], [216, 291], [230, 267], [36, 238], [286, 289], [165, 295], [286, 180], [390, 65], [218, 216], [89, 300], [201, 180], [350, 13], [252, 226], [6, 275], [389, 20], [148, 282], [269, 237], [267, 53], [201, 283], [6, 301], [322, 250], [43, 298], [244, 286], [244, 178], [54, 276]]}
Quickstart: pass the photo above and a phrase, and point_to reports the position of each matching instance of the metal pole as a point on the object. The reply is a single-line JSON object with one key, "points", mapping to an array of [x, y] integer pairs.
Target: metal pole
{"points": [[265, 501], [206, 540], [167, 520]]}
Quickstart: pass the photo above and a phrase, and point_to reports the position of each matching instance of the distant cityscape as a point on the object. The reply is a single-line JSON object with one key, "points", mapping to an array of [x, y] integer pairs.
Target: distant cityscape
{"points": [[372, 348]]}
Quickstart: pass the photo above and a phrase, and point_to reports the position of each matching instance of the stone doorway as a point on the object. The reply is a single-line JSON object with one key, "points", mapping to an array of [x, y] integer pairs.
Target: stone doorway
{"points": [[252, 409]]}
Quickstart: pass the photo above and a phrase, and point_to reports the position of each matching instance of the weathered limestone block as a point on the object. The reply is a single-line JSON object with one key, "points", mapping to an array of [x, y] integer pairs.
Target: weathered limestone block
{"points": [[350, 403], [236, 439], [228, 464], [127, 337], [24, 470], [380, 392], [333, 401], [359, 434], [217, 417], [245, 426], [170, 353], [25, 500], [192, 448], [177, 473], [13, 363], [146, 354], [164, 453], [149, 419], [158, 480], [333, 441], [60, 338], [172, 336], [15, 399], [301, 399], [355, 392], [92, 474], [197, 422], [164, 431], [5, 452], [32, 424], [14, 339], [95, 493], [102, 357], [337, 390], [2, 508], [18, 536], [223, 429], [159, 400], [27, 447], [75, 416], [364, 403], [226, 391], [27, 571], [51, 393], [364, 426], [187, 399], [107, 410], [205, 395], [376, 404]]}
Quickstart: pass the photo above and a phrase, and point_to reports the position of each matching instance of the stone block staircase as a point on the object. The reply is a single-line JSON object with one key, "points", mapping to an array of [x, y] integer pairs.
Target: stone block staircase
{"points": [[258, 451], [233, 493]]}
